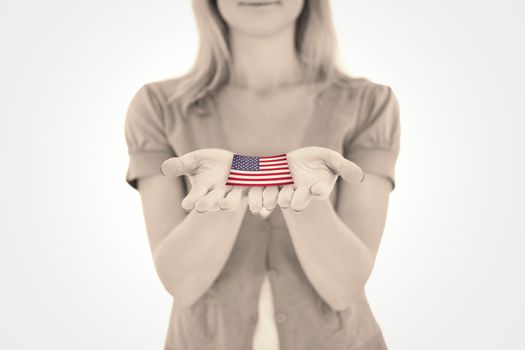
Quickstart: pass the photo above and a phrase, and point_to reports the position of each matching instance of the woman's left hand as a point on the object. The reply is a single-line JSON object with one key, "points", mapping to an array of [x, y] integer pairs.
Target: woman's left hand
{"points": [[315, 171]]}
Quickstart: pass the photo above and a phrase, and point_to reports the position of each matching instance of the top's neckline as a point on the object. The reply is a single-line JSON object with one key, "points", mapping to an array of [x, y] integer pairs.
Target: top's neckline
{"points": [[275, 90]]}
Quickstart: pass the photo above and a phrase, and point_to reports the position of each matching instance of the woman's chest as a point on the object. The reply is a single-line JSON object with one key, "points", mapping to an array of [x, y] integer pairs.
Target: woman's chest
{"points": [[258, 126], [248, 125]]}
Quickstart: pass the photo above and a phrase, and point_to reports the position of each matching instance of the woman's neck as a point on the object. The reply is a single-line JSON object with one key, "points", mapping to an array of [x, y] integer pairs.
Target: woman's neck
{"points": [[265, 62]]}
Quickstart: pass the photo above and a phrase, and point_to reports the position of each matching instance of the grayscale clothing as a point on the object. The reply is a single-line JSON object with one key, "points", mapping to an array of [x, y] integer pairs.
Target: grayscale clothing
{"points": [[353, 116]]}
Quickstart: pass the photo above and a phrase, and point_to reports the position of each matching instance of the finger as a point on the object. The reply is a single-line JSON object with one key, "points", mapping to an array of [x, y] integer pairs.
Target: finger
{"points": [[285, 196], [210, 202], [320, 190], [177, 166], [301, 198], [232, 200], [255, 199], [270, 194], [195, 194], [348, 170]]}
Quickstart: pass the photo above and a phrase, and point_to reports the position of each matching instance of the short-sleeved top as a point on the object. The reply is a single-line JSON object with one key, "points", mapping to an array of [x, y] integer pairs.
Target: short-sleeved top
{"points": [[354, 116]]}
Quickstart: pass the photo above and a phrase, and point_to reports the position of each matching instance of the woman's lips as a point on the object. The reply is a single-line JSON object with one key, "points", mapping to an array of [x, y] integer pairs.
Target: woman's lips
{"points": [[258, 3]]}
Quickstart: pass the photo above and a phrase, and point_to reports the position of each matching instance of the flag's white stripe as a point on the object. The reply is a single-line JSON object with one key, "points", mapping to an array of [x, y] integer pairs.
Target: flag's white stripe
{"points": [[271, 158], [274, 162], [251, 172], [273, 182], [272, 166]]}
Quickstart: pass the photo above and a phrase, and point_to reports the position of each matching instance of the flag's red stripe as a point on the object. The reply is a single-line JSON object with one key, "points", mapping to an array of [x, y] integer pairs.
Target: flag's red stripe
{"points": [[248, 184], [279, 168], [258, 178], [266, 179], [283, 160], [278, 155], [271, 167], [272, 163], [260, 171], [255, 173]]}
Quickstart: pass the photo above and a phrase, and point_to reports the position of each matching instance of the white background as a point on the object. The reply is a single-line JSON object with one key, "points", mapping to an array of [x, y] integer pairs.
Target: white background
{"points": [[76, 270]]}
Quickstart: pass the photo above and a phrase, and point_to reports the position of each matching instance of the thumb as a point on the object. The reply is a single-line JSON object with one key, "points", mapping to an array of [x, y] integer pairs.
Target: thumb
{"points": [[177, 166], [348, 170]]}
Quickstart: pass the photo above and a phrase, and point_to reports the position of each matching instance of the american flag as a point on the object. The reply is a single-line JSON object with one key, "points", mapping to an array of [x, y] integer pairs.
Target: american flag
{"points": [[259, 171]]}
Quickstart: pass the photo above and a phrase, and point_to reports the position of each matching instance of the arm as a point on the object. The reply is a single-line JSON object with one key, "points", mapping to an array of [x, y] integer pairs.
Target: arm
{"points": [[337, 249], [189, 249]]}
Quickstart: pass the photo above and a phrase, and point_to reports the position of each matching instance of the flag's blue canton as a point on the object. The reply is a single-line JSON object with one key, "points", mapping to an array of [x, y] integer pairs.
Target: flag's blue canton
{"points": [[247, 163]]}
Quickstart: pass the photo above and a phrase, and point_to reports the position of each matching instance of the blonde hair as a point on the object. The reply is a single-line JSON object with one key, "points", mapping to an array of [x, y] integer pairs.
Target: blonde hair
{"points": [[315, 42]]}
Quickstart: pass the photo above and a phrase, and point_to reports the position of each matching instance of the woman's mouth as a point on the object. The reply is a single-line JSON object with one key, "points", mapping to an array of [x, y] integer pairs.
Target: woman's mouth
{"points": [[259, 3]]}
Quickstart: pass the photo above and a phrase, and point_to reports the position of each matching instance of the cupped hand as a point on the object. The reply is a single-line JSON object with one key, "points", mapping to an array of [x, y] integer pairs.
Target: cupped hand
{"points": [[315, 171], [207, 170]]}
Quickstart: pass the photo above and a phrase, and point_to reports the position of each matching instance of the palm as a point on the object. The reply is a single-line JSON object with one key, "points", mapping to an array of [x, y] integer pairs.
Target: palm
{"points": [[308, 168], [207, 170], [315, 171], [213, 166]]}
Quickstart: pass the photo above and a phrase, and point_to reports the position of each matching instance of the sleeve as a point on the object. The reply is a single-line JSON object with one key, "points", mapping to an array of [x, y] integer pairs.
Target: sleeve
{"points": [[375, 144], [147, 144]]}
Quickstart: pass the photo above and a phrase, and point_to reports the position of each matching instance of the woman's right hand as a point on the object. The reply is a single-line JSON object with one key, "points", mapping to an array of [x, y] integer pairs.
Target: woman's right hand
{"points": [[208, 170]]}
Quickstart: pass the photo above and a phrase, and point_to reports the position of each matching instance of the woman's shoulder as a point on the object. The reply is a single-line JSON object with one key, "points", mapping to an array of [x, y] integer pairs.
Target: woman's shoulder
{"points": [[351, 82], [164, 89], [356, 90]]}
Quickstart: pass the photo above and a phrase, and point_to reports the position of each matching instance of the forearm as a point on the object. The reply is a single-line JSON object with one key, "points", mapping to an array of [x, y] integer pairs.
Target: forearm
{"points": [[192, 255], [333, 257]]}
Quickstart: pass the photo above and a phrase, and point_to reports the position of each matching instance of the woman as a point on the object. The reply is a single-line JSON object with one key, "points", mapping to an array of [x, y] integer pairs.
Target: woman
{"points": [[292, 276]]}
